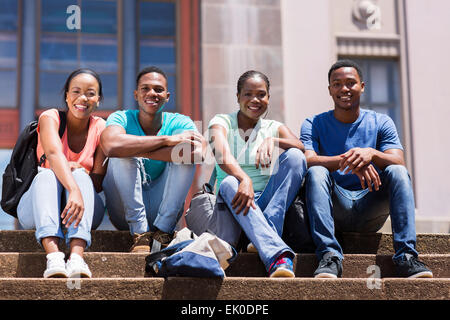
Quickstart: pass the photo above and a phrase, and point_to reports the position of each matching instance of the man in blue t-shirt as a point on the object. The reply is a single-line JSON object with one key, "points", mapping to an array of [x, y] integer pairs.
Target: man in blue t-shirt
{"points": [[357, 177], [151, 166]]}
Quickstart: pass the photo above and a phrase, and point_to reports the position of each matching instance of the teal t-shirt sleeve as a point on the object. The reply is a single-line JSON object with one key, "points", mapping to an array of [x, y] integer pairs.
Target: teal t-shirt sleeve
{"points": [[306, 136], [178, 123], [117, 118], [387, 135]]}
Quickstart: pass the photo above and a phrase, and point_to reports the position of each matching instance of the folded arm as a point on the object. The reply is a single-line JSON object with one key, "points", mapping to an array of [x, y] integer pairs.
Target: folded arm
{"points": [[115, 142]]}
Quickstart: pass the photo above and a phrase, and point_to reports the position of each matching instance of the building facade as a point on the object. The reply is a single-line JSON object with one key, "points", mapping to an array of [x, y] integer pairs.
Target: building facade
{"points": [[205, 45]]}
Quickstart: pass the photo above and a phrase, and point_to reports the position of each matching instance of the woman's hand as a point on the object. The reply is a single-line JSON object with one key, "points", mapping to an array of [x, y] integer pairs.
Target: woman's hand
{"points": [[75, 165], [74, 209], [264, 153], [244, 198]]}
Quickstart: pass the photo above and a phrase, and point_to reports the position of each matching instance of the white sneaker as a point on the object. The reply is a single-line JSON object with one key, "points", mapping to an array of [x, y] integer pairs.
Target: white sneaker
{"points": [[56, 266], [77, 268]]}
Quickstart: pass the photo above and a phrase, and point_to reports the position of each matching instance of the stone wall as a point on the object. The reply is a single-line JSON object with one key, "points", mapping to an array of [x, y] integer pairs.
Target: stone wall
{"points": [[239, 35]]}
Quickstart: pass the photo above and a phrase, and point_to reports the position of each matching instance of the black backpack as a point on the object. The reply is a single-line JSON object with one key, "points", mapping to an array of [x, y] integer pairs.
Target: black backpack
{"points": [[296, 230], [23, 166]]}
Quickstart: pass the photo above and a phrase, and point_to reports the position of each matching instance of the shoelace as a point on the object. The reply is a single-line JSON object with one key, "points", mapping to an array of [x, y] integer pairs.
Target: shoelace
{"points": [[328, 262], [414, 262], [281, 260]]}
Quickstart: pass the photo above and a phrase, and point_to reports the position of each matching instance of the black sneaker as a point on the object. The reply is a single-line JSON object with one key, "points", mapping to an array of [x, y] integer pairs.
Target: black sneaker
{"points": [[410, 267], [329, 267]]}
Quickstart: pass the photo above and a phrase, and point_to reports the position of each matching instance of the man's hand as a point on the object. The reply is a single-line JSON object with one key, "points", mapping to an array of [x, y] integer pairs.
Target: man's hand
{"points": [[355, 159], [185, 137], [369, 175], [188, 147]]}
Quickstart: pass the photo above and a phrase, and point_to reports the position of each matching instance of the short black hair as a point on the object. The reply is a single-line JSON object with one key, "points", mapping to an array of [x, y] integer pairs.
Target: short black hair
{"points": [[345, 63], [149, 69], [77, 72], [250, 74]]}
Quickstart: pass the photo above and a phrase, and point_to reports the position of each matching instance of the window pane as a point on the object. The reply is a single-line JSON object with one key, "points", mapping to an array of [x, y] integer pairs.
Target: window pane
{"points": [[171, 106], [99, 16], [160, 53], [99, 53], [8, 15], [58, 53], [8, 51], [50, 87], [6, 221], [8, 89], [109, 86], [54, 15], [379, 82], [157, 19]]}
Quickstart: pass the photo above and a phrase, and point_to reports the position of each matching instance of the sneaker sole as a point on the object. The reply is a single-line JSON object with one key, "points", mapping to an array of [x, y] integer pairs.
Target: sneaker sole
{"points": [[140, 249], [55, 274], [325, 276], [424, 274], [282, 273]]}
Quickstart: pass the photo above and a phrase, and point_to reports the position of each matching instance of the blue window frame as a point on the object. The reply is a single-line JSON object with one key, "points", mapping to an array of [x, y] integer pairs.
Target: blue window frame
{"points": [[157, 43], [62, 50], [8, 53], [382, 88]]}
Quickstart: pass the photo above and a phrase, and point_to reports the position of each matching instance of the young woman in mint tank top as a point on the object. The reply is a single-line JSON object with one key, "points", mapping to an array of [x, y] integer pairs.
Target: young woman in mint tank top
{"points": [[256, 186]]}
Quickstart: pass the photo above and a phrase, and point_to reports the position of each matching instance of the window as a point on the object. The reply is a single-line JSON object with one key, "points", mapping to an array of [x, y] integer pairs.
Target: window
{"points": [[93, 46], [157, 40], [382, 88], [8, 53]]}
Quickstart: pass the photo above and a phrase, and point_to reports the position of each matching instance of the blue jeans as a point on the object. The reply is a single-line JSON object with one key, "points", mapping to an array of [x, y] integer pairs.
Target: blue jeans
{"points": [[40, 207], [264, 225], [140, 206], [332, 207]]}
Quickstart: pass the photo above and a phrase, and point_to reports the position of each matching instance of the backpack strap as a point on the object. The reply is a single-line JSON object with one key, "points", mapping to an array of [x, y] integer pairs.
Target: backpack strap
{"points": [[62, 122], [62, 128]]}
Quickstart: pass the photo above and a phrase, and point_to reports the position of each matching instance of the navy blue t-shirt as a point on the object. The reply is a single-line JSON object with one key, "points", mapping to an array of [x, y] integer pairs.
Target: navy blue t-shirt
{"points": [[327, 136]]}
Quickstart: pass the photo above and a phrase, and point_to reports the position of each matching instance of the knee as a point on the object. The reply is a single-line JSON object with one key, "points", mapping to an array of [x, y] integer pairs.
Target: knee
{"points": [[80, 175], [228, 184], [188, 169], [122, 164], [317, 174], [395, 171], [295, 159], [45, 176]]}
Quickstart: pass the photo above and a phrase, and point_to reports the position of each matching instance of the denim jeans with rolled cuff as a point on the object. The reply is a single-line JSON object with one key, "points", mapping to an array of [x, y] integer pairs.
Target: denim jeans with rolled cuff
{"points": [[134, 202], [332, 208], [263, 226], [41, 206]]}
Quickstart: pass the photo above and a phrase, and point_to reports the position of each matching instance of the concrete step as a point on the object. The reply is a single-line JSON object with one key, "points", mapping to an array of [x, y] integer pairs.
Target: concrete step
{"points": [[121, 241], [132, 265], [231, 288]]}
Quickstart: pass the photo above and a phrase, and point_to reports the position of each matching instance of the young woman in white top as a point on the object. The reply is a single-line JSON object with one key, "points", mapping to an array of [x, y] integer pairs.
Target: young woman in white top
{"points": [[256, 187]]}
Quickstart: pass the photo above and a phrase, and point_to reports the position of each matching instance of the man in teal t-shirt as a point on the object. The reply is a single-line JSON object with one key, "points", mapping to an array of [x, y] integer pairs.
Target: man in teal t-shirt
{"points": [[151, 165]]}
